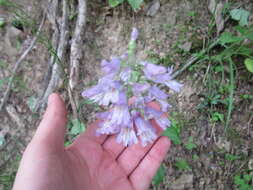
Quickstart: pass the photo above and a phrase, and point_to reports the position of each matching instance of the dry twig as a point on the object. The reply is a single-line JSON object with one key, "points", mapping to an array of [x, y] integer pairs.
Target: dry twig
{"points": [[52, 12], [76, 55], [20, 60], [57, 60]]}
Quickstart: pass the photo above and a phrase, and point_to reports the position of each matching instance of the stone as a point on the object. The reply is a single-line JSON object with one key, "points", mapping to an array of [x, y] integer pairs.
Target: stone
{"points": [[186, 46], [185, 180], [153, 8]]}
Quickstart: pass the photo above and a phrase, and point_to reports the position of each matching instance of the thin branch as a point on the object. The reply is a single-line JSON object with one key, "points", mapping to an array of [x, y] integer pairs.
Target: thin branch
{"points": [[20, 60], [76, 54], [52, 12], [193, 59], [57, 59]]}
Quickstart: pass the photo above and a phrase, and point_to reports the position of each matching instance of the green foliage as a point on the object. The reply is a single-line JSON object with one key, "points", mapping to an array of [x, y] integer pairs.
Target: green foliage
{"points": [[240, 15], [231, 157], [243, 182], [2, 22], [182, 164], [31, 102], [76, 127], [7, 177], [5, 3], [211, 100], [6, 181], [233, 46], [192, 14], [158, 179], [216, 116], [114, 3], [190, 144], [195, 157], [228, 38], [249, 64], [173, 132], [246, 96], [135, 4]]}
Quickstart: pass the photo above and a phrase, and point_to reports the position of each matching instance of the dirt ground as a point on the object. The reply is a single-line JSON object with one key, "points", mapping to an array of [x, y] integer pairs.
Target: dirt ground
{"points": [[177, 25]]}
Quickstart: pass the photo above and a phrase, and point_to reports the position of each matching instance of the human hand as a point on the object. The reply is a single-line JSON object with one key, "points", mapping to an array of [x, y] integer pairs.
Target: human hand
{"points": [[91, 162]]}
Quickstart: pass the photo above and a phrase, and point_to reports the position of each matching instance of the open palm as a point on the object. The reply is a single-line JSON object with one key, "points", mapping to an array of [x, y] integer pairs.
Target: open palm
{"points": [[91, 162]]}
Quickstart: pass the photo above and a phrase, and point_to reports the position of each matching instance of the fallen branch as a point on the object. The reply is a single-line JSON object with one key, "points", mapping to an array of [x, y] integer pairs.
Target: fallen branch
{"points": [[193, 59], [76, 55], [20, 60], [58, 58], [52, 12]]}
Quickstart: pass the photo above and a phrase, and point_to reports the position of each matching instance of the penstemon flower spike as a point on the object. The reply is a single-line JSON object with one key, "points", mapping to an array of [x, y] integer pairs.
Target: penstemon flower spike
{"points": [[126, 88]]}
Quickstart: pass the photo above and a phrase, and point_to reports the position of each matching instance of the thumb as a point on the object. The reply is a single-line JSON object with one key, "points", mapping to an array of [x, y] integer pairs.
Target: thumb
{"points": [[52, 128]]}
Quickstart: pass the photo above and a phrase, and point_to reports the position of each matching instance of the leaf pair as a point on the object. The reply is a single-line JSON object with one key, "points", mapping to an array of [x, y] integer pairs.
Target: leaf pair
{"points": [[135, 4]]}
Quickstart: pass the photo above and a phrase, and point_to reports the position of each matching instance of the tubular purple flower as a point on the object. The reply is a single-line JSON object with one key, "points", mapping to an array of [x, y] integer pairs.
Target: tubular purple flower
{"points": [[139, 88], [164, 105], [139, 102], [145, 131], [159, 74], [111, 93], [125, 74], [127, 136], [107, 128], [151, 69], [110, 67], [170, 70], [102, 115], [90, 92], [129, 118], [157, 93], [120, 113], [124, 56], [163, 122], [134, 34], [174, 85], [150, 113], [104, 93]]}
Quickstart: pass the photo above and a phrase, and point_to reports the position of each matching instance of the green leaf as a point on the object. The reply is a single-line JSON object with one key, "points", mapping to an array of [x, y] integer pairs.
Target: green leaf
{"points": [[31, 102], [135, 4], [182, 164], [190, 145], [240, 15], [2, 22], [245, 51], [227, 37], [238, 180], [135, 75], [247, 178], [114, 3], [159, 176], [173, 132], [216, 116], [67, 143], [243, 182], [247, 32], [77, 127], [249, 64], [231, 157]]}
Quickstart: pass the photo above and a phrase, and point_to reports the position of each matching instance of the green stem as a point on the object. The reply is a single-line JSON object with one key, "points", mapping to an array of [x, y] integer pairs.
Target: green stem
{"points": [[231, 93]]}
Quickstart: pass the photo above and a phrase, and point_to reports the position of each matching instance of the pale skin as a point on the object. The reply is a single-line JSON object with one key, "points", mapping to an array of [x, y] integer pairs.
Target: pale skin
{"points": [[91, 162]]}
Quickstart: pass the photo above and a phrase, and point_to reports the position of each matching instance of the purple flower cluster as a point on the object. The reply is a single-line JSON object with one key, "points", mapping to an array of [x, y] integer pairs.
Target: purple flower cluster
{"points": [[126, 88]]}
